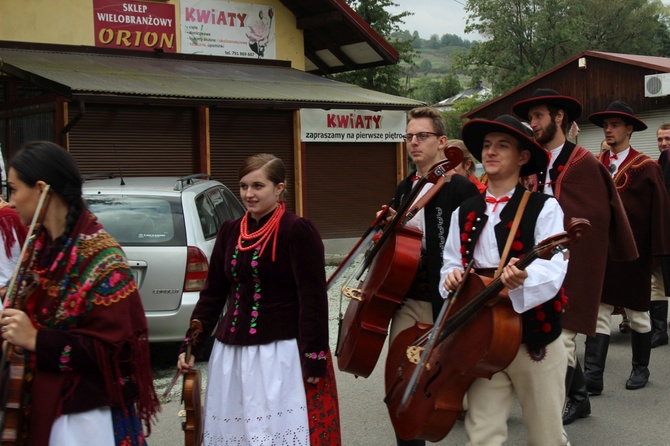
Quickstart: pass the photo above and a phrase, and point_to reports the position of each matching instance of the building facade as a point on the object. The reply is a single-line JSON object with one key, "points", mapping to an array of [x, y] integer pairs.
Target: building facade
{"points": [[185, 86], [596, 79]]}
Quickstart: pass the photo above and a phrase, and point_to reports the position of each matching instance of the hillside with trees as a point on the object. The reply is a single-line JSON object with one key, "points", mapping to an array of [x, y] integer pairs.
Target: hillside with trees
{"points": [[520, 39]]}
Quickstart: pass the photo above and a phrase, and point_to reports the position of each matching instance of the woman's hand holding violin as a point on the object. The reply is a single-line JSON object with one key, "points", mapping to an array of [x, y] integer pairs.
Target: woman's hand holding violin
{"points": [[182, 365]]}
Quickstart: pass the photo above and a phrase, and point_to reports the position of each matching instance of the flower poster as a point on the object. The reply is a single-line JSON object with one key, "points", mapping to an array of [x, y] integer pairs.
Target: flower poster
{"points": [[223, 28]]}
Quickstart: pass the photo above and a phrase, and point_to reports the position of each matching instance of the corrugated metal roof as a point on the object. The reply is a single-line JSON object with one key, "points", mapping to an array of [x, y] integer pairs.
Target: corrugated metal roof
{"points": [[78, 75]]}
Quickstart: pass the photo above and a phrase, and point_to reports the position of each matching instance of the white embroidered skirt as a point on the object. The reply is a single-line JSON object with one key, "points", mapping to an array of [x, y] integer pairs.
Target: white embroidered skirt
{"points": [[256, 396], [79, 428]]}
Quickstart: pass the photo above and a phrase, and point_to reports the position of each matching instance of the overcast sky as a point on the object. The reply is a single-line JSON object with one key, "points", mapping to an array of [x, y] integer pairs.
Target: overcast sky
{"points": [[438, 17], [435, 17]]}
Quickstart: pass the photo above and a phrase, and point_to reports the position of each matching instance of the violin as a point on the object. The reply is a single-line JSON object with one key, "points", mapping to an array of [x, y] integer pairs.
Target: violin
{"points": [[389, 268], [14, 359], [191, 395], [430, 368]]}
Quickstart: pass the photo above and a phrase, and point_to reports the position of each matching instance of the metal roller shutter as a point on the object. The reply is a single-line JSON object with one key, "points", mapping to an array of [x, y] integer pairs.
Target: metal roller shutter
{"points": [[346, 184], [139, 141], [237, 134]]}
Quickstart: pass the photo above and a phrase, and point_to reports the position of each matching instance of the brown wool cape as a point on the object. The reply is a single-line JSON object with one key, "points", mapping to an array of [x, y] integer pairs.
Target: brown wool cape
{"points": [[584, 189]]}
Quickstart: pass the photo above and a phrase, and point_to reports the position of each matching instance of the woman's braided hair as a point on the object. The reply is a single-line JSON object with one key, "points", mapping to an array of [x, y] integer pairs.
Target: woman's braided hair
{"points": [[49, 162]]}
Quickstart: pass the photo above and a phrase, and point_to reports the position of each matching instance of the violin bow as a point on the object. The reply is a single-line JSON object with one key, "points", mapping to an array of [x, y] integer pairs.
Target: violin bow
{"points": [[11, 364], [187, 357], [38, 216], [358, 247]]}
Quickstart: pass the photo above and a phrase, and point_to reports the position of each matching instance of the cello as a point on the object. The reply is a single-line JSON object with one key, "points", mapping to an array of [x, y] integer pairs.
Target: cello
{"points": [[430, 368], [390, 267]]}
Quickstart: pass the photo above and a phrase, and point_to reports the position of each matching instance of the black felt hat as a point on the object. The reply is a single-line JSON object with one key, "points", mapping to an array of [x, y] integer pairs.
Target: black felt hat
{"points": [[475, 130], [547, 96], [618, 109]]}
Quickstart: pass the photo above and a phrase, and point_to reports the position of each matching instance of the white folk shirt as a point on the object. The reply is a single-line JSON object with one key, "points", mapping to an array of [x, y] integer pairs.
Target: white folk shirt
{"points": [[617, 162], [419, 220], [553, 154], [545, 277]]}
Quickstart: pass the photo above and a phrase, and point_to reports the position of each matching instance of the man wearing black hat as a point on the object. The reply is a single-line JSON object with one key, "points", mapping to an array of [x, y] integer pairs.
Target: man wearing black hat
{"points": [[639, 181], [485, 224], [584, 188]]}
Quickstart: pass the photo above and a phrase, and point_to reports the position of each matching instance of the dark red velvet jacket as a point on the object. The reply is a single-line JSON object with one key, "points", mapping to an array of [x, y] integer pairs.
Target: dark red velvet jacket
{"points": [[278, 300]]}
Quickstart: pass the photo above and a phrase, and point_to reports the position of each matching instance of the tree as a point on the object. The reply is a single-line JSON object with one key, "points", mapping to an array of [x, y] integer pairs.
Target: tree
{"points": [[431, 91], [434, 41], [452, 118], [388, 79], [425, 66], [523, 38]]}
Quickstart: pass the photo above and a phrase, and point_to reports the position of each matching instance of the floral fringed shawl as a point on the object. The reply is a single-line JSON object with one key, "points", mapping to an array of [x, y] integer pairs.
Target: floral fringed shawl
{"points": [[92, 345]]}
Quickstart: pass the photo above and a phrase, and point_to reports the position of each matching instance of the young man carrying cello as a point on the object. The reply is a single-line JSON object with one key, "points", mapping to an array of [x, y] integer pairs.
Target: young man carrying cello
{"points": [[480, 231], [426, 140]]}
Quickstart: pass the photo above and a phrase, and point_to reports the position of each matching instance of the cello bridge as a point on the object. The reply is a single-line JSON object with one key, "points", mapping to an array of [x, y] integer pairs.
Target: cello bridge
{"points": [[414, 354], [353, 293]]}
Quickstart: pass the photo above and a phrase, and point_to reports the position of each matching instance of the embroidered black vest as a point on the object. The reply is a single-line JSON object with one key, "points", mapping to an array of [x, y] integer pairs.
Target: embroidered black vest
{"points": [[437, 215], [542, 324]]}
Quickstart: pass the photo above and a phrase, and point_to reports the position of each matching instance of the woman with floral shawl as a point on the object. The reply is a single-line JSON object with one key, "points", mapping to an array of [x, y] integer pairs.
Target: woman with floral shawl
{"points": [[81, 327]]}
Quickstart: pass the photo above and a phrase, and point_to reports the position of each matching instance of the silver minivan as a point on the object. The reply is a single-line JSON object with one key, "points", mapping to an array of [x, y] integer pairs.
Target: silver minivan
{"points": [[167, 227]]}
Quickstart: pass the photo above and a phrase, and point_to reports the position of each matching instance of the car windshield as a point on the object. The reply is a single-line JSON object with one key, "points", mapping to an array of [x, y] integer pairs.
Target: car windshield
{"points": [[140, 220]]}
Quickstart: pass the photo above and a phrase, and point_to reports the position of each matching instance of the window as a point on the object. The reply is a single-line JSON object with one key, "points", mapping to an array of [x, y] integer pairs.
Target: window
{"points": [[209, 221], [136, 220]]}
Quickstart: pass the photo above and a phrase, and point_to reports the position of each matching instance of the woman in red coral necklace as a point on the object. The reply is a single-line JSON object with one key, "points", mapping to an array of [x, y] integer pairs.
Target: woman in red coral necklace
{"points": [[270, 375]]}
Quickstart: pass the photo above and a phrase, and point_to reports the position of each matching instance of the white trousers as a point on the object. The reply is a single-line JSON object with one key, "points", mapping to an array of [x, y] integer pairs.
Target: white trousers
{"points": [[410, 313], [539, 384], [640, 321], [657, 285]]}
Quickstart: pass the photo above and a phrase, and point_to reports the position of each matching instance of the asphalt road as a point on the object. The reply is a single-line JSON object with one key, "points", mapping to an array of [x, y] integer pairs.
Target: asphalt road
{"points": [[619, 416]]}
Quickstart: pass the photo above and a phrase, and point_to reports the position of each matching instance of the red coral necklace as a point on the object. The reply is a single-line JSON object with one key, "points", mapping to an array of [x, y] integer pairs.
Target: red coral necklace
{"points": [[262, 235]]}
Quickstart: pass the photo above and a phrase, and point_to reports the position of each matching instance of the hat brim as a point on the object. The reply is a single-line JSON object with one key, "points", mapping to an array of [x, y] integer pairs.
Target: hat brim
{"points": [[572, 107], [474, 131], [599, 117]]}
